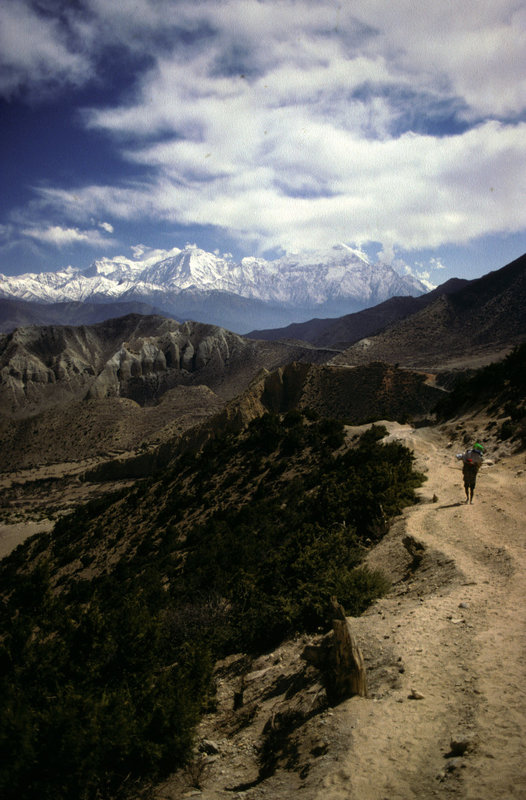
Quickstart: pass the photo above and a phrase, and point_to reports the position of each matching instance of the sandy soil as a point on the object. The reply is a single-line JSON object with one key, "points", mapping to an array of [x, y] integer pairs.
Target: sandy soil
{"points": [[13, 535], [31, 500], [462, 644]]}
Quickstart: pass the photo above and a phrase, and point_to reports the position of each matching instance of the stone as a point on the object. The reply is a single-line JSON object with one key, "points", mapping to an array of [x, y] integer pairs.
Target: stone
{"points": [[319, 748], [339, 659], [209, 747], [460, 745], [347, 671]]}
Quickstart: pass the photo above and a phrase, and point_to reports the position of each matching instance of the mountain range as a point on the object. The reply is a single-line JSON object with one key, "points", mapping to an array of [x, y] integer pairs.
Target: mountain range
{"points": [[194, 284], [459, 319]]}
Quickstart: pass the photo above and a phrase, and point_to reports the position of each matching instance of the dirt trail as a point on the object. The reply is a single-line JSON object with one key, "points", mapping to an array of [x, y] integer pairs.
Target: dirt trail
{"points": [[445, 661], [460, 643]]}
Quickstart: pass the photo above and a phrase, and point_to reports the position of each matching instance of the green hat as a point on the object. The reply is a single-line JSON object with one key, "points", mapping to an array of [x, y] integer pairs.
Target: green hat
{"points": [[478, 447]]}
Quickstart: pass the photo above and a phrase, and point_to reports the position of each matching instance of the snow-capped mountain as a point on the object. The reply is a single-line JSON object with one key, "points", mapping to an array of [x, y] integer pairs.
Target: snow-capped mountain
{"points": [[211, 288]]}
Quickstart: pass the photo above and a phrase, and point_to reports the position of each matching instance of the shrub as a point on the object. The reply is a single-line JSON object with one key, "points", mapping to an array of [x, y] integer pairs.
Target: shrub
{"points": [[498, 383], [102, 681]]}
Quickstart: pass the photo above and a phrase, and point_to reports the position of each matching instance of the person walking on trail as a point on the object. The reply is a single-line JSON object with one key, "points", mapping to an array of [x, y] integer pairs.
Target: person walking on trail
{"points": [[471, 461]]}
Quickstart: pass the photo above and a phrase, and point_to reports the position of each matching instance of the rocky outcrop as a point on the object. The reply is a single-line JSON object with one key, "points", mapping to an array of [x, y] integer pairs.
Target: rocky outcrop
{"points": [[145, 368], [135, 357], [43, 366], [339, 659]]}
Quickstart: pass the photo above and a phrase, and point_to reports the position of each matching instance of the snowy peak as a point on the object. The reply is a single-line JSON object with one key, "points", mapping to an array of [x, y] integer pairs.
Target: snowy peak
{"points": [[331, 282], [337, 255], [117, 270], [191, 268]]}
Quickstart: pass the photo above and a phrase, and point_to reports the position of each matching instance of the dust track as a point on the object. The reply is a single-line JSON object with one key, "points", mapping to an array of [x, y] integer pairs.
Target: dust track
{"points": [[462, 645]]}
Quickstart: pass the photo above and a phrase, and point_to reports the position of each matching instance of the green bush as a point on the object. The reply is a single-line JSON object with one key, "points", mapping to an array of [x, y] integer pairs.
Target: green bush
{"points": [[102, 681]]}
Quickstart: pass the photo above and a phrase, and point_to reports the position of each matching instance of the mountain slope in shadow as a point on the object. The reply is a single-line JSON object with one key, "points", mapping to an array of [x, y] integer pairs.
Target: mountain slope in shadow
{"points": [[481, 321], [343, 331]]}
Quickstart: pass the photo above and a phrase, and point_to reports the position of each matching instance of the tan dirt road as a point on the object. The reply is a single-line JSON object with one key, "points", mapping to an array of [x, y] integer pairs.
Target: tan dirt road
{"points": [[459, 635]]}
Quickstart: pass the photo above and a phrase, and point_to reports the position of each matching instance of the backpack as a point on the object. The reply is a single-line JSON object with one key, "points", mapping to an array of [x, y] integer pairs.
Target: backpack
{"points": [[472, 457]]}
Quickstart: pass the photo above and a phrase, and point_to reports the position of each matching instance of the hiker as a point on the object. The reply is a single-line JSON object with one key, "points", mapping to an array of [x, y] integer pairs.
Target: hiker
{"points": [[471, 461]]}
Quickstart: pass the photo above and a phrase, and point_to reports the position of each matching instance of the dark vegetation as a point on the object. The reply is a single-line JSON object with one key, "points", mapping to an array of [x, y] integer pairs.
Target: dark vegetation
{"points": [[110, 625], [501, 388]]}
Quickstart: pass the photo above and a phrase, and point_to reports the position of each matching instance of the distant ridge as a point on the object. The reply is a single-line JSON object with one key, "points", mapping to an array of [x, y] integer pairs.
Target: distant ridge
{"points": [[192, 284], [483, 318], [21, 313], [343, 331]]}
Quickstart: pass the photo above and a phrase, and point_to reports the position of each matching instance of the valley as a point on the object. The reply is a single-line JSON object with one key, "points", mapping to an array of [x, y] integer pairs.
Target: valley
{"points": [[79, 450]]}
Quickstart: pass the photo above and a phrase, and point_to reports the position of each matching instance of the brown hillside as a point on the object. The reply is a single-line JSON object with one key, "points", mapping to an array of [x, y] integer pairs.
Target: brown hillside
{"points": [[444, 718], [343, 331], [481, 321], [136, 357], [355, 395]]}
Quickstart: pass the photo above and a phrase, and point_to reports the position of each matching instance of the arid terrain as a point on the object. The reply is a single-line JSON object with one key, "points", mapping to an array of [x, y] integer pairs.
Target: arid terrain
{"points": [[444, 650], [65, 455], [445, 712]]}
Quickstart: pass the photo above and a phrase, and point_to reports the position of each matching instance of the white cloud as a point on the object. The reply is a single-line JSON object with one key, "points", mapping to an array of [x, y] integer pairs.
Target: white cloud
{"points": [[421, 274], [295, 124], [64, 237], [475, 50], [303, 145], [414, 191], [35, 51], [151, 255], [138, 251]]}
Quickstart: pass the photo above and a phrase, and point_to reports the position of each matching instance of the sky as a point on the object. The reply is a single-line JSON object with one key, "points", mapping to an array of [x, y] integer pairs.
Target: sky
{"points": [[264, 127]]}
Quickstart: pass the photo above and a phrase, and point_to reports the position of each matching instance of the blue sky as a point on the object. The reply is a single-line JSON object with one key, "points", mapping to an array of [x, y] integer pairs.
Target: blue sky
{"points": [[258, 127]]}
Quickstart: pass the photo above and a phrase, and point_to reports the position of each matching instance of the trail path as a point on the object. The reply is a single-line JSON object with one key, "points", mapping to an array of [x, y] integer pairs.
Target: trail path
{"points": [[461, 640]]}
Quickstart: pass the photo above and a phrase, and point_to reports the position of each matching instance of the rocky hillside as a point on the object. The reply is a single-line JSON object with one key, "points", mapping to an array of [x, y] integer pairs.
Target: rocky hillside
{"points": [[483, 319], [140, 358], [196, 598], [356, 396], [129, 601], [133, 384], [364, 394]]}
